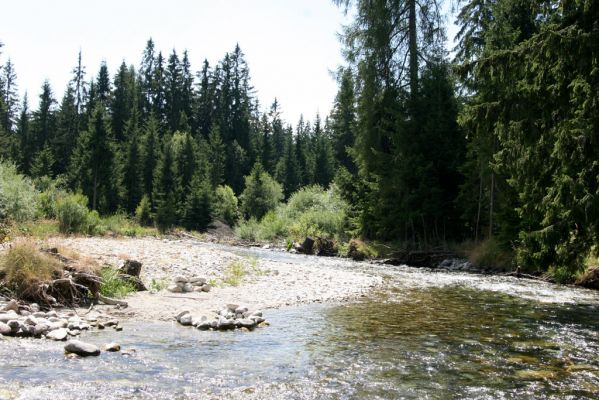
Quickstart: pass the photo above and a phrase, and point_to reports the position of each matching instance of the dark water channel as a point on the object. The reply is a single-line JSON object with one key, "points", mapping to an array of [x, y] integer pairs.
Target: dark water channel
{"points": [[426, 335]]}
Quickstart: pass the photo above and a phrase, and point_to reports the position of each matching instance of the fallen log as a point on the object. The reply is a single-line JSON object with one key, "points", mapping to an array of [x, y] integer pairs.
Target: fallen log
{"points": [[112, 302]]}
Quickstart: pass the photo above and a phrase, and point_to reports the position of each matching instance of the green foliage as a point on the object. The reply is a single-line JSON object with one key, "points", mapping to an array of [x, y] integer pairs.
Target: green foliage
{"points": [[248, 230], [237, 271], [226, 204], [158, 284], [50, 191], [543, 154], [74, 216], [234, 273], [19, 199], [313, 211], [166, 216], [198, 205], [112, 285], [143, 212], [261, 194], [310, 211]]}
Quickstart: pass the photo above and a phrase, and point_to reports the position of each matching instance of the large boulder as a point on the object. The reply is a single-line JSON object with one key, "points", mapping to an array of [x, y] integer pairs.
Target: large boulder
{"points": [[307, 247], [131, 267], [325, 247], [81, 348]]}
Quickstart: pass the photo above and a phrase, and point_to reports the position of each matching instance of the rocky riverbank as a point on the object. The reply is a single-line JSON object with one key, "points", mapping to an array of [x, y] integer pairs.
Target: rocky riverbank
{"points": [[22, 320], [231, 278]]}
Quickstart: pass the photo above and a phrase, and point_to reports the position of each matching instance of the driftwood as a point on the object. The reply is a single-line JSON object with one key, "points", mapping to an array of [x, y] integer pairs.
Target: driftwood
{"points": [[112, 302]]}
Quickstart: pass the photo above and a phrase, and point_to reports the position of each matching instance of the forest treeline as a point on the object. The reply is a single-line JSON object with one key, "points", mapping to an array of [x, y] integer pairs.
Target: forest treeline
{"points": [[497, 142]]}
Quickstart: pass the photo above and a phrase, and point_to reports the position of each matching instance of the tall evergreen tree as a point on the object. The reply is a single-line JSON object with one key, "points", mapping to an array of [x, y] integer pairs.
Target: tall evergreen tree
{"points": [[147, 76], [93, 164], [216, 157], [132, 173], [165, 196], [150, 155], [67, 130], [343, 120], [44, 120], [124, 101], [24, 136], [205, 101], [10, 108], [173, 81], [103, 86]]}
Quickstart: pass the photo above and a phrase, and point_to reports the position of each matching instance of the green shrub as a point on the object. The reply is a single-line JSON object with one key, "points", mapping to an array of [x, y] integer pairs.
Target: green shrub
{"points": [[273, 226], [51, 190], [19, 200], [316, 212], [143, 212], [310, 211], [94, 224], [248, 230], [74, 216], [72, 212], [261, 194], [226, 205], [112, 285]]}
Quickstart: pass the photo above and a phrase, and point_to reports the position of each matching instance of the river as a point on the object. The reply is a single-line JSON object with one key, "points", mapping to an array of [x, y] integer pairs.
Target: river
{"points": [[423, 335]]}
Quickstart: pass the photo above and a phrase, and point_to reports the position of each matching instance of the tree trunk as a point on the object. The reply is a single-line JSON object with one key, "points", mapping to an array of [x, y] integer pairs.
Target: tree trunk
{"points": [[413, 49], [491, 204], [480, 200], [95, 189]]}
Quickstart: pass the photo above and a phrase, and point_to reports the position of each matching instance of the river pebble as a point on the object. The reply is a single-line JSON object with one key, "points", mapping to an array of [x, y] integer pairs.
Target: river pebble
{"points": [[81, 348], [112, 347]]}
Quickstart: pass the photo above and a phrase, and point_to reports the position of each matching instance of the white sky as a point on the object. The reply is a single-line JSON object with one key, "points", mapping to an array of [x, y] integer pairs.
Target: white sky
{"points": [[290, 45]]}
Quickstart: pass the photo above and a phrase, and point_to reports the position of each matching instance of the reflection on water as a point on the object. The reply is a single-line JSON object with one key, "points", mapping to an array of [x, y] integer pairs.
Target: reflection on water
{"points": [[426, 335]]}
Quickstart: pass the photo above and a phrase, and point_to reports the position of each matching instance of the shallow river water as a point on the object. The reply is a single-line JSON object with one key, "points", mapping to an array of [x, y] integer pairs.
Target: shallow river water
{"points": [[424, 335]]}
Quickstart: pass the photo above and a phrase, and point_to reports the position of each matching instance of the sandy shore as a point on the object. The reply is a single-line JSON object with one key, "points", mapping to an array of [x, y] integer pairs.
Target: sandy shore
{"points": [[266, 284]]}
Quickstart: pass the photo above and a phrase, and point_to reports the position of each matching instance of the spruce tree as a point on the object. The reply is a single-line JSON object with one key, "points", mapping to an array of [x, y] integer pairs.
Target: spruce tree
{"points": [[67, 130], [44, 120], [198, 205], [165, 197], [10, 98], [216, 157], [150, 155], [132, 169], [124, 101], [173, 91], [343, 120]]}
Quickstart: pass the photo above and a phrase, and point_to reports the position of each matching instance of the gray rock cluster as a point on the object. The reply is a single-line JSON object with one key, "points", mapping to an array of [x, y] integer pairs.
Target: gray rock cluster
{"points": [[231, 317], [29, 321], [455, 264], [182, 284]]}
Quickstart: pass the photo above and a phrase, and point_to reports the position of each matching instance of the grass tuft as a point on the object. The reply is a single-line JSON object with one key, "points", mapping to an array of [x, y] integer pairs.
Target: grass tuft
{"points": [[234, 274], [112, 285], [24, 267]]}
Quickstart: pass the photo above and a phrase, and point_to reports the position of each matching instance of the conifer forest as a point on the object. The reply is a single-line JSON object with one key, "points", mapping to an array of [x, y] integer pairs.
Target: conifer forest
{"points": [[492, 142]]}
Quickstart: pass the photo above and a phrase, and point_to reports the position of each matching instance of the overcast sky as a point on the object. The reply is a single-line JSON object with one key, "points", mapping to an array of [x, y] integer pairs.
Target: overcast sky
{"points": [[291, 46]]}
